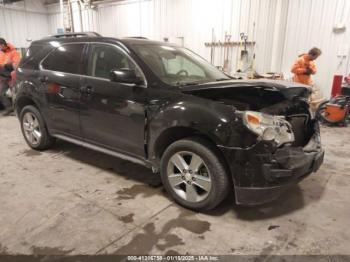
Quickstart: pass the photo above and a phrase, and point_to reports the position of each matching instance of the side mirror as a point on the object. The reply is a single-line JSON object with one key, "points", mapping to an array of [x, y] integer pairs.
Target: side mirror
{"points": [[124, 76]]}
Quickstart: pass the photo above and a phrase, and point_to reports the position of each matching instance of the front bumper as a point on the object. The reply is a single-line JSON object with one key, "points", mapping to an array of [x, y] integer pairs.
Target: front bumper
{"points": [[263, 172]]}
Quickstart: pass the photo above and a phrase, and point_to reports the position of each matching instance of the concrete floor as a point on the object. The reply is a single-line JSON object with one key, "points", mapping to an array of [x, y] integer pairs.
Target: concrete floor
{"points": [[71, 200]]}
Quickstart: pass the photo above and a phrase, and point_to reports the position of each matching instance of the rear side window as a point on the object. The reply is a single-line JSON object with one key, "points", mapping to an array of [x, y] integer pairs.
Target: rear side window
{"points": [[66, 58]]}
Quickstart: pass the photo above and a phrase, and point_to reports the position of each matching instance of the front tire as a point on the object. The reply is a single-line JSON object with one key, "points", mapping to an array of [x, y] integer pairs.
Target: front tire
{"points": [[34, 129], [193, 173]]}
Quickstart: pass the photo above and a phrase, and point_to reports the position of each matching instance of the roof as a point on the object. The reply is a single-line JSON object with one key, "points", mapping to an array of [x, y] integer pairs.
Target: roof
{"points": [[144, 41], [95, 37]]}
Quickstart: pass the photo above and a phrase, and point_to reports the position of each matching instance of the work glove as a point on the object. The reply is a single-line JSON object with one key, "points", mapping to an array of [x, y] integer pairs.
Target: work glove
{"points": [[4, 72], [9, 67]]}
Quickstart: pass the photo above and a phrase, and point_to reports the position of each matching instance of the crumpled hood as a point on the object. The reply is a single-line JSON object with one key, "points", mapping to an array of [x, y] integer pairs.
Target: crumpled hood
{"points": [[288, 89]]}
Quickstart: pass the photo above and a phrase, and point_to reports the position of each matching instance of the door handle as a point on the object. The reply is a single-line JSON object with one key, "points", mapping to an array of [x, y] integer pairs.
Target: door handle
{"points": [[43, 79], [88, 90]]}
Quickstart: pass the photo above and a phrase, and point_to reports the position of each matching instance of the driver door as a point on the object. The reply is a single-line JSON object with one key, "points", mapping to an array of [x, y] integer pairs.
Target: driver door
{"points": [[112, 114]]}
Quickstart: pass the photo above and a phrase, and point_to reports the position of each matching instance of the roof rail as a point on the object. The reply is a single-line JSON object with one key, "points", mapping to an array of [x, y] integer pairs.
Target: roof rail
{"points": [[137, 37], [80, 34]]}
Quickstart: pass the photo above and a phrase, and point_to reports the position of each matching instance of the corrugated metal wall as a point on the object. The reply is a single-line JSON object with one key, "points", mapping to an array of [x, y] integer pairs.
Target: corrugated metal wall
{"points": [[22, 21], [189, 22], [192, 21], [310, 23], [54, 19], [282, 29]]}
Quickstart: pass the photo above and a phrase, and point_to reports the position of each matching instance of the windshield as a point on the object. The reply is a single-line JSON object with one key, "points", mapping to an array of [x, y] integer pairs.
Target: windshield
{"points": [[177, 65]]}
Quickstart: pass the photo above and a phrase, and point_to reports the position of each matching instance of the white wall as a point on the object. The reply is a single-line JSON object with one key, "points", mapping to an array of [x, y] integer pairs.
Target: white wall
{"points": [[191, 19], [283, 29], [310, 23], [24, 20]]}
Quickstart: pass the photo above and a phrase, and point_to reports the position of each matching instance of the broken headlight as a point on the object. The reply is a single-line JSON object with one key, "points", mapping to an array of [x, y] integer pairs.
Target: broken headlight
{"points": [[268, 127]]}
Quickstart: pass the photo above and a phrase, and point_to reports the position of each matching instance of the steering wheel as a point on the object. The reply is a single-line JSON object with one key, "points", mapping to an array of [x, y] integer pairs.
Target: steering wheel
{"points": [[182, 72]]}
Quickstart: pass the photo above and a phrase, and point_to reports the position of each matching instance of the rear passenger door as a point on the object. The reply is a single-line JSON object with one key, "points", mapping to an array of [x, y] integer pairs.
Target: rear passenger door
{"points": [[60, 78]]}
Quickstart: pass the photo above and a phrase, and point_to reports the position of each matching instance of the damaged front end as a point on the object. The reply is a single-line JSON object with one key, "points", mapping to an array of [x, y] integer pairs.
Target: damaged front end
{"points": [[280, 141], [262, 172]]}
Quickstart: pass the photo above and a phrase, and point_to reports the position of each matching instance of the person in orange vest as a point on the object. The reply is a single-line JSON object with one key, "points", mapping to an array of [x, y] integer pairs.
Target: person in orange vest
{"points": [[9, 60], [305, 66]]}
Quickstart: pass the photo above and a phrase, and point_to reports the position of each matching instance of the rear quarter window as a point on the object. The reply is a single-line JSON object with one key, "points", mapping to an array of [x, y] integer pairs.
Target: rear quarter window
{"points": [[66, 58], [33, 55]]}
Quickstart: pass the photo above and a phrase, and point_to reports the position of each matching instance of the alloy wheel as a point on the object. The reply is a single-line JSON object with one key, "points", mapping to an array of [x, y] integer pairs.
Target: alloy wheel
{"points": [[189, 176], [31, 128]]}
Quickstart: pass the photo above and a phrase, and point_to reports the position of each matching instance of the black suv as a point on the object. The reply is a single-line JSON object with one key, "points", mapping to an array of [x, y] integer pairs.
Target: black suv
{"points": [[162, 106]]}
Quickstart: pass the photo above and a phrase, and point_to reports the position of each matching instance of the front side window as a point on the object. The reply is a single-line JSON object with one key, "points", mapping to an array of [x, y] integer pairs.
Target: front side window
{"points": [[66, 58], [177, 65], [105, 58]]}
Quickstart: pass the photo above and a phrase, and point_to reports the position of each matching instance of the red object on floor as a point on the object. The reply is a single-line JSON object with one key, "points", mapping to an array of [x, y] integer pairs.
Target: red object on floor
{"points": [[347, 79], [336, 87], [335, 113]]}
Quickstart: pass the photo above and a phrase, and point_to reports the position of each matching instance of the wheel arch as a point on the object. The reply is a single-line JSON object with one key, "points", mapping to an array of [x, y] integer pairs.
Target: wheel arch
{"points": [[23, 101], [172, 134]]}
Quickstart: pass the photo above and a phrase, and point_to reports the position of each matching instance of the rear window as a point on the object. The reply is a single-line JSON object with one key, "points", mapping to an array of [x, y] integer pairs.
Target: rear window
{"points": [[66, 58]]}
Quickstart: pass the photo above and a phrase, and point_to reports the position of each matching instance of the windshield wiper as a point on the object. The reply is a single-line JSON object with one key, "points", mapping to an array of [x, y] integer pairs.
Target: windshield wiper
{"points": [[188, 83], [199, 82], [222, 79]]}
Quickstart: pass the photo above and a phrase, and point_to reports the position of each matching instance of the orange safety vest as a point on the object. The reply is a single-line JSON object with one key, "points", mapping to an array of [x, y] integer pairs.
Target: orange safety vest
{"points": [[9, 56], [300, 67]]}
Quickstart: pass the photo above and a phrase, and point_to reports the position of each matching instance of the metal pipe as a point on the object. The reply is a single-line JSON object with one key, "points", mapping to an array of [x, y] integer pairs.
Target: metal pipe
{"points": [[62, 13], [212, 47], [80, 17], [71, 22], [117, 2]]}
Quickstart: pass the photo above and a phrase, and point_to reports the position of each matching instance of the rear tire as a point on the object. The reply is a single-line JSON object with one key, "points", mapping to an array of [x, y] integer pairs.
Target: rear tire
{"points": [[34, 129], [203, 183]]}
